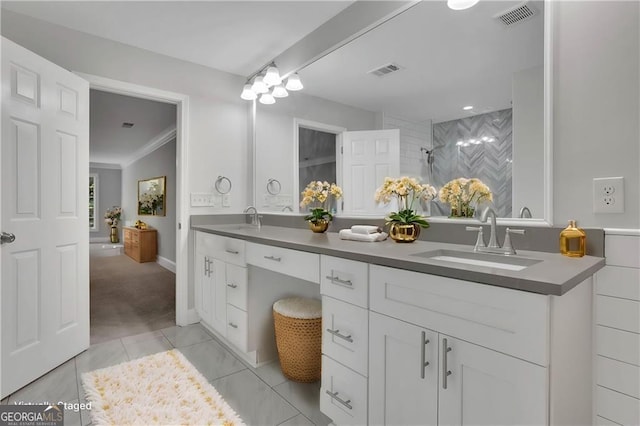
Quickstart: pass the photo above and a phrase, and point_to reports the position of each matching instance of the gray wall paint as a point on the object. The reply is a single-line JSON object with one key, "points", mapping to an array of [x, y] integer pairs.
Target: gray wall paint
{"points": [[109, 195], [161, 162], [596, 126]]}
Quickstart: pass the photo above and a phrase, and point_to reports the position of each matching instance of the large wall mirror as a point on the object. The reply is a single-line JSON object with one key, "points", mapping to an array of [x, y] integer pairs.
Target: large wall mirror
{"points": [[466, 90]]}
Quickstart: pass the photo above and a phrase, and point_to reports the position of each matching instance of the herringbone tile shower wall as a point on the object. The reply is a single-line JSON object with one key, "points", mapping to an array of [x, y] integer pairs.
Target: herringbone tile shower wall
{"points": [[488, 161]]}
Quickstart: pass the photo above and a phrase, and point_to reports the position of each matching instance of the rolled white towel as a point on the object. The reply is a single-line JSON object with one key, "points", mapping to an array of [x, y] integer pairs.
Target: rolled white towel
{"points": [[347, 234], [365, 229]]}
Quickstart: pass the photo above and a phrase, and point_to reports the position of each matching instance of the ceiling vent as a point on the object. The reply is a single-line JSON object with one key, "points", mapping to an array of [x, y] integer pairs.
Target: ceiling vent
{"points": [[385, 70], [517, 14], [127, 125]]}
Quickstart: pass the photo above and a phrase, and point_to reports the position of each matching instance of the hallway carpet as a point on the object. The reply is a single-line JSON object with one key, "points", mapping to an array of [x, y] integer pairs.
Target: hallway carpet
{"points": [[129, 298]]}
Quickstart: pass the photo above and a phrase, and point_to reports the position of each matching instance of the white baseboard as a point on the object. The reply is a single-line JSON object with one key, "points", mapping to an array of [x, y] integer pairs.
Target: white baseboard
{"points": [[166, 263], [192, 316], [99, 240]]}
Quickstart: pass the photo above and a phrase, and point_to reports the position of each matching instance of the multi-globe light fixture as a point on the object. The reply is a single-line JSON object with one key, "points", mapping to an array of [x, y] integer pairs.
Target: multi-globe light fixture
{"points": [[269, 86]]}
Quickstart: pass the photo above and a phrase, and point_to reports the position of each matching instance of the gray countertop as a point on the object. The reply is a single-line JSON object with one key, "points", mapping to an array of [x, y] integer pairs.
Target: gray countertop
{"points": [[553, 275]]}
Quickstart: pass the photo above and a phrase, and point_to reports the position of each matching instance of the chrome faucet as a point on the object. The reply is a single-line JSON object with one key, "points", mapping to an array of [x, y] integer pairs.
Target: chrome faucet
{"points": [[287, 208], [494, 246], [493, 240], [255, 219]]}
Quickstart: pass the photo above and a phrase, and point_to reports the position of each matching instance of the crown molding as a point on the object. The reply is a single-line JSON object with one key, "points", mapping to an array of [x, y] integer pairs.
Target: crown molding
{"points": [[167, 135], [113, 166]]}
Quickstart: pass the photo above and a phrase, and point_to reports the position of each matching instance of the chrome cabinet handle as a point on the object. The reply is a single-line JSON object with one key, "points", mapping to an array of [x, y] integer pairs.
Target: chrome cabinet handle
{"points": [[233, 325], [445, 370], [207, 271], [232, 285], [231, 251], [340, 335], [423, 348], [334, 395], [337, 280], [209, 263], [7, 238], [274, 258]]}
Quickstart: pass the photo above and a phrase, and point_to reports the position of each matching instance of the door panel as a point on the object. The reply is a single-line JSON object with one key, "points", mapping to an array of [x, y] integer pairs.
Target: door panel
{"points": [[45, 166], [402, 390], [369, 156], [485, 387]]}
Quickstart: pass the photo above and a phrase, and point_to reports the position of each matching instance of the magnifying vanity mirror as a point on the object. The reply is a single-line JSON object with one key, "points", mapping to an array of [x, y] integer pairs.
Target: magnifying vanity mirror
{"points": [[431, 93]]}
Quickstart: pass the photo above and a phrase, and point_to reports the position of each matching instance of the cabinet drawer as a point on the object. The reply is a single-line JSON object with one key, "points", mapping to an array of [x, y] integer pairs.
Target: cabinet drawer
{"points": [[345, 334], [346, 280], [237, 327], [230, 250], [510, 321], [343, 394], [295, 263], [618, 313], [237, 286]]}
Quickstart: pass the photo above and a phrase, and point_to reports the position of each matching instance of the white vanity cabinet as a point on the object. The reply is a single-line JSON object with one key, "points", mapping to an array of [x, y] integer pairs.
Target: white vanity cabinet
{"points": [[221, 278]]}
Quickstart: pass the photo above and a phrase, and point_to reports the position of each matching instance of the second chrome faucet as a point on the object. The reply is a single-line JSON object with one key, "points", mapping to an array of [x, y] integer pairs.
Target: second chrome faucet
{"points": [[493, 246]]}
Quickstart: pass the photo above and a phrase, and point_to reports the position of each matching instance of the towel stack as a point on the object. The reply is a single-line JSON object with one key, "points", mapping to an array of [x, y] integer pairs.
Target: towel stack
{"points": [[367, 233]]}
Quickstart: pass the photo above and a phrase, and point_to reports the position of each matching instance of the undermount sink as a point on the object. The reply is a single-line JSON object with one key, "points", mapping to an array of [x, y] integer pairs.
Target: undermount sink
{"points": [[488, 260]]}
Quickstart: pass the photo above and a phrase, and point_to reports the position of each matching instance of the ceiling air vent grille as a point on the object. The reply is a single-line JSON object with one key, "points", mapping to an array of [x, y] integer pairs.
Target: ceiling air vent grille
{"points": [[385, 70], [127, 125], [517, 14]]}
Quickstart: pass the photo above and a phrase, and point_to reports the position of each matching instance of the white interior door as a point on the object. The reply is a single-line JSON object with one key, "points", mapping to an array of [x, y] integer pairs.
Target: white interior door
{"points": [[44, 203], [368, 157]]}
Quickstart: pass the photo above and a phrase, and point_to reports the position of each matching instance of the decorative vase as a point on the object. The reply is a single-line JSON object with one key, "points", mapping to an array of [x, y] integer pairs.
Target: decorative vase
{"points": [[462, 211], [404, 233], [114, 235], [319, 226]]}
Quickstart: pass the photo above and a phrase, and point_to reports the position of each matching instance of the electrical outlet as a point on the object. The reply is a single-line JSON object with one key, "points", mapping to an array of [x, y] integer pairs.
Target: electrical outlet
{"points": [[608, 195], [226, 200], [202, 199]]}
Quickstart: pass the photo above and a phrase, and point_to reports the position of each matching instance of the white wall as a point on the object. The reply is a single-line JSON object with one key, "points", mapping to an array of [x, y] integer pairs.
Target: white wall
{"points": [[161, 162], [218, 117], [596, 108], [527, 143], [109, 195], [413, 136]]}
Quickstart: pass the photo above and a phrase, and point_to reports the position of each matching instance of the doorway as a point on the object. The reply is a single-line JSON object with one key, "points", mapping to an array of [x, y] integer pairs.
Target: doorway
{"points": [[183, 314], [132, 140]]}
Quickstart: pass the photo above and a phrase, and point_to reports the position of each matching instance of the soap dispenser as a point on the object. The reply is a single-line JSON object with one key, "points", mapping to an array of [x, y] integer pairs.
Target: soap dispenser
{"points": [[573, 241]]}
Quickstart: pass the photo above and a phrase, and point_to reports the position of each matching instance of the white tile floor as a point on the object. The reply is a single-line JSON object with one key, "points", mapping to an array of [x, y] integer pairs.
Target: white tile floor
{"points": [[261, 396]]}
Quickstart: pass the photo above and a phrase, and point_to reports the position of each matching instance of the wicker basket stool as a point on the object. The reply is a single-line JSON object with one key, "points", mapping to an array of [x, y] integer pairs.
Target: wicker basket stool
{"points": [[298, 326]]}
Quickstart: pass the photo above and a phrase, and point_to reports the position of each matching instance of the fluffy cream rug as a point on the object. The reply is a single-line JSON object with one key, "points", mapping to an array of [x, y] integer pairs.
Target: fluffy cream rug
{"points": [[163, 388]]}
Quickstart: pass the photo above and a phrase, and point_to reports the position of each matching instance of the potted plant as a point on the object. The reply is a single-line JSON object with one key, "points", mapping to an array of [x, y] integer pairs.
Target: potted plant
{"points": [[464, 195], [320, 194], [405, 224]]}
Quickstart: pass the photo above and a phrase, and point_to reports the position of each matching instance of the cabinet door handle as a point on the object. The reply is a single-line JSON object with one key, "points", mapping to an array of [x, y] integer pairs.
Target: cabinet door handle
{"points": [[233, 325], [337, 280], [274, 258], [207, 271], [232, 251], [232, 285], [423, 348], [445, 370], [340, 335], [334, 395]]}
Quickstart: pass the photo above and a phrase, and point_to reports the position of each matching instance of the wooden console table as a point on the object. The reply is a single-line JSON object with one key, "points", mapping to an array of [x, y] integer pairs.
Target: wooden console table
{"points": [[140, 244]]}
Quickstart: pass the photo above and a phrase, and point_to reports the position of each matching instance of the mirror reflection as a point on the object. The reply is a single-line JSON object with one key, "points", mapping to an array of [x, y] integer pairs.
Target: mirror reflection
{"points": [[462, 90]]}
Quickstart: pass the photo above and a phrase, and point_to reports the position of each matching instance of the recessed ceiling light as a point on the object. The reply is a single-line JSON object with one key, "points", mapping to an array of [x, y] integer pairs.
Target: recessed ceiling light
{"points": [[468, 108]]}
